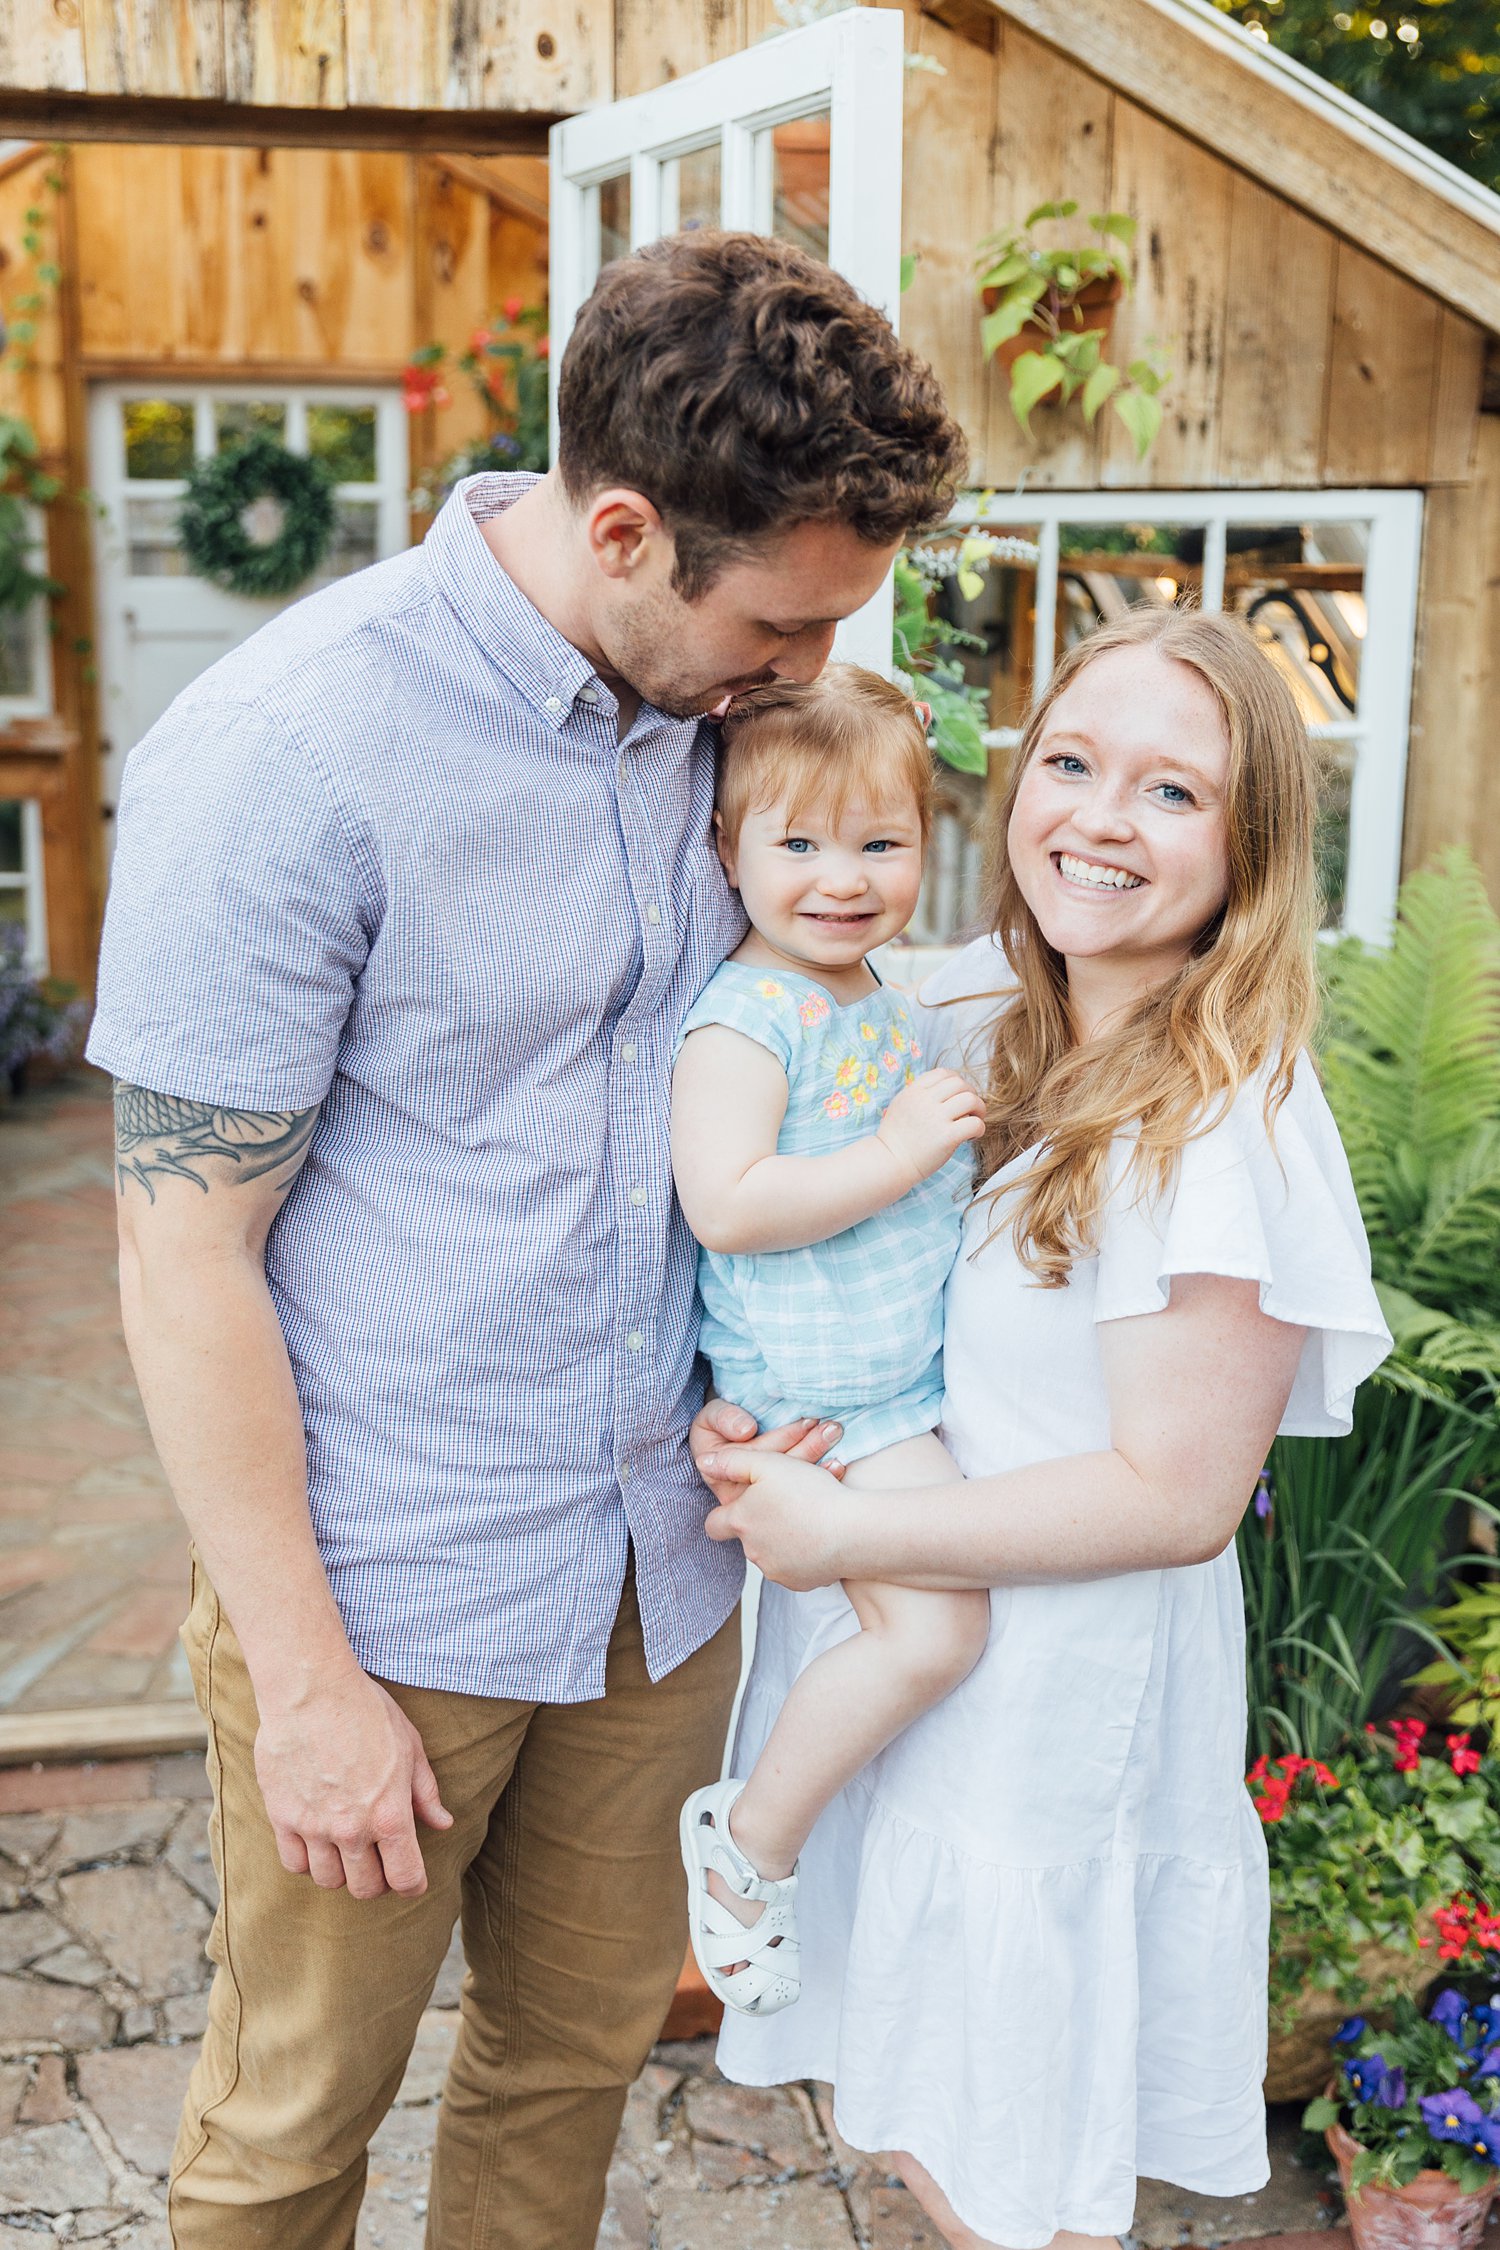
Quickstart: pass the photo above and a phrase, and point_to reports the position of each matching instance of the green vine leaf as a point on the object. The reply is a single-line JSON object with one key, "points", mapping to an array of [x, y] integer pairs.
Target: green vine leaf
{"points": [[1033, 377]]}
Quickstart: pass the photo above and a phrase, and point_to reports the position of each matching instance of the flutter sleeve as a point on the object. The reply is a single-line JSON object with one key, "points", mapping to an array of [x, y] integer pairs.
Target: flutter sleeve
{"points": [[1276, 1207], [763, 1007]]}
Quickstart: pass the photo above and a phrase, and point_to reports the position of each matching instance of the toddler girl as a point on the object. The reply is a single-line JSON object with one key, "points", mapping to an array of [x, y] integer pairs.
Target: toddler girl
{"points": [[825, 1175]]}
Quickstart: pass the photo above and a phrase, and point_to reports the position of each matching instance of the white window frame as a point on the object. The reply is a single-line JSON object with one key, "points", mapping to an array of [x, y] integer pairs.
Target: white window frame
{"points": [[1381, 721], [850, 67], [31, 882], [38, 704], [388, 494]]}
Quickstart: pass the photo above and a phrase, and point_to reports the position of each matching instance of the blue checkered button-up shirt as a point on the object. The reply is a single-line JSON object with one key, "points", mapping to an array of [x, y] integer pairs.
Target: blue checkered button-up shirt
{"points": [[391, 858]]}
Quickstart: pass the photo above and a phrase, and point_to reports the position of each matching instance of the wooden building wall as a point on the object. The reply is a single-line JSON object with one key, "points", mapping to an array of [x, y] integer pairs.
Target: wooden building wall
{"points": [[201, 262]]}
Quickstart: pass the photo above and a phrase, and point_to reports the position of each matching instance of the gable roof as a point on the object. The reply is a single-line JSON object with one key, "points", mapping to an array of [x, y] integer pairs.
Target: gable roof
{"points": [[1202, 72]]}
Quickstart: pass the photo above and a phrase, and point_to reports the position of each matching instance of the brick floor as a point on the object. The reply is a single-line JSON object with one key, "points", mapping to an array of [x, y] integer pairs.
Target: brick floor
{"points": [[104, 1903], [93, 1557]]}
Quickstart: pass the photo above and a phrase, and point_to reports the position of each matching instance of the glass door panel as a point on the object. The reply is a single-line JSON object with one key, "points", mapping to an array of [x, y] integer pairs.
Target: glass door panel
{"points": [[801, 182], [692, 189]]}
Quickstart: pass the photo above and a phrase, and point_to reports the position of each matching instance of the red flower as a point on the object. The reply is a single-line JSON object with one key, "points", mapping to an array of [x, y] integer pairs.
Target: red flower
{"points": [[512, 309], [1326, 1775], [480, 340], [422, 387], [1259, 1770], [1460, 1757], [1408, 1735], [543, 346]]}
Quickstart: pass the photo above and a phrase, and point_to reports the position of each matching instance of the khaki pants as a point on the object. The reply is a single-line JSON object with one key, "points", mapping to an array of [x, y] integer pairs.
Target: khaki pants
{"points": [[562, 1860]]}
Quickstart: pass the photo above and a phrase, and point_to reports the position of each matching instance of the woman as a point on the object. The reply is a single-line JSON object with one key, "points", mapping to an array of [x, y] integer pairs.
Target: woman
{"points": [[1034, 1931]]}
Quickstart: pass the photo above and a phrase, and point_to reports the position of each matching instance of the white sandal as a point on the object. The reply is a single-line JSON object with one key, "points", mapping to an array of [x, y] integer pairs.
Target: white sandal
{"points": [[769, 1946]]}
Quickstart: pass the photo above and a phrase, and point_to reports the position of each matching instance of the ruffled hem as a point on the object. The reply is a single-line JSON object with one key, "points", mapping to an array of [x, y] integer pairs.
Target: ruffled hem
{"points": [[1036, 2039]]}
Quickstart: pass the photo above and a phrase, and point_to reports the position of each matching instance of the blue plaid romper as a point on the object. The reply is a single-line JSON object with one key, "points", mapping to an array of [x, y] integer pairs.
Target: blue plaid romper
{"points": [[850, 1328]]}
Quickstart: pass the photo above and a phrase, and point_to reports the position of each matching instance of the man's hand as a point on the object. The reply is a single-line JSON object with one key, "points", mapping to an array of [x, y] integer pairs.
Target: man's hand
{"points": [[345, 1779], [929, 1120], [718, 1425]]}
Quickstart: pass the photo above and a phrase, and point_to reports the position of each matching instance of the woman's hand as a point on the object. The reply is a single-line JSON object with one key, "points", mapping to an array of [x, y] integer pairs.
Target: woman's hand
{"points": [[793, 1520], [720, 1427]]}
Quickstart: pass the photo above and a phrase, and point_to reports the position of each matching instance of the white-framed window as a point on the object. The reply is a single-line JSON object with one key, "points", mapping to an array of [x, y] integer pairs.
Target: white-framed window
{"points": [[1327, 580], [26, 640], [23, 896], [146, 438], [798, 136]]}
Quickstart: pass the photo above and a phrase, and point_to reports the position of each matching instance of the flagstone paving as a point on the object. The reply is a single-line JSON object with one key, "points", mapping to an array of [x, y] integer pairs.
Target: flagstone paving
{"points": [[93, 1556], [106, 1892]]}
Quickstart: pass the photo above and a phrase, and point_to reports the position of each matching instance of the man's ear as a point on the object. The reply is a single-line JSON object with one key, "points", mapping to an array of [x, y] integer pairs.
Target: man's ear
{"points": [[623, 530], [726, 850]]}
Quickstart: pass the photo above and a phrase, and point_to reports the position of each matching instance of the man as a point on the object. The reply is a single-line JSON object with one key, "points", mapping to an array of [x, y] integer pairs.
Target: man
{"points": [[412, 893]]}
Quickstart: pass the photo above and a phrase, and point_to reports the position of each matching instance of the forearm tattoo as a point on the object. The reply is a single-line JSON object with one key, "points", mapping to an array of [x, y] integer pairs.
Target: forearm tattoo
{"points": [[159, 1136]]}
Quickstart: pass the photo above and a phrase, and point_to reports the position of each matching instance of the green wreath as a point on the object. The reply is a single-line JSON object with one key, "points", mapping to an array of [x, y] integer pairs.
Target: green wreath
{"points": [[257, 520]]}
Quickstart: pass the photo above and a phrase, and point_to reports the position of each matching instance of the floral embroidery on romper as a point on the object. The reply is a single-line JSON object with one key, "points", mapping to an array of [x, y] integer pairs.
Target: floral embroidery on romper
{"points": [[813, 1009], [837, 1105], [848, 1071], [769, 989]]}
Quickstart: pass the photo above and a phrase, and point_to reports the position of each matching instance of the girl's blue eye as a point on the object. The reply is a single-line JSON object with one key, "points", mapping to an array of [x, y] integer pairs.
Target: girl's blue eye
{"points": [[881, 844], [798, 844]]}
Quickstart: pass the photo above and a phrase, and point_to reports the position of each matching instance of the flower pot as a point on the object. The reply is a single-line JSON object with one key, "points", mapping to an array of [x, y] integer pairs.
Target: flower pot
{"points": [[1093, 307], [1429, 2213], [1297, 2054]]}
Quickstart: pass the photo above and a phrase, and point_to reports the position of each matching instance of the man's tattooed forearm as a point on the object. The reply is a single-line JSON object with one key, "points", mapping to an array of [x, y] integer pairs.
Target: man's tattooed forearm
{"points": [[159, 1136]]}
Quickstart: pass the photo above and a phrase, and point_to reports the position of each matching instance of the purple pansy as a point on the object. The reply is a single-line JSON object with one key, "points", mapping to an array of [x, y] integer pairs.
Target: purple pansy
{"points": [[1392, 2090], [1452, 2116], [1448, 2011], [1348, 2031], [1366, 2075]]}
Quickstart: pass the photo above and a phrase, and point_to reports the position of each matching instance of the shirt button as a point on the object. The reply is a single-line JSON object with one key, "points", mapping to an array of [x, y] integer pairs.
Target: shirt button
{"points": [[637, 1195], [627, 1050], [553, 704], [623, 1472], [653, 912], [635, 1341], [588, 695]]}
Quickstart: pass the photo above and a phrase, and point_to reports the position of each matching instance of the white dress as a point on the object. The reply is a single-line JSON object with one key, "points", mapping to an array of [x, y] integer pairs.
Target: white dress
{"points": [[1034, 1930]]}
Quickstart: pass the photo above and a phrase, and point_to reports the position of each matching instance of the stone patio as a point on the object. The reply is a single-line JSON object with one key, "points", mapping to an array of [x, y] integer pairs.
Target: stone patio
{"points": [[106, 1893], [93, 1556]]}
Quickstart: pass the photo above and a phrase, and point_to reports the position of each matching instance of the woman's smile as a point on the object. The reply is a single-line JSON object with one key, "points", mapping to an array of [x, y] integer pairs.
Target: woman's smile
{"points": [[1094, 874]]}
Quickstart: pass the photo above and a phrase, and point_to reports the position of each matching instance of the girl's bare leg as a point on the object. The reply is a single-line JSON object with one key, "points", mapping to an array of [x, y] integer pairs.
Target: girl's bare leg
{"points": [[913, 1647], [959, 2237]]}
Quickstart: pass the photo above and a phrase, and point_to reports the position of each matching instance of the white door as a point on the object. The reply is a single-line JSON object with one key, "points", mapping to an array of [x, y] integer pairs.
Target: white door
{"points": [[799, 137], [159, 625]]}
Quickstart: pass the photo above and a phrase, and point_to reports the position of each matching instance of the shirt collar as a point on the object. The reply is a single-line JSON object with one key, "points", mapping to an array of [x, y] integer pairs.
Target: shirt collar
{"points": [[512, 632]]}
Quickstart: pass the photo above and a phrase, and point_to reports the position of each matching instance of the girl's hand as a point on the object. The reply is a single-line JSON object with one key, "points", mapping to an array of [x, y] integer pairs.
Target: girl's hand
{"points": [[929, 1120], [719, 1425], [792, 1520]]}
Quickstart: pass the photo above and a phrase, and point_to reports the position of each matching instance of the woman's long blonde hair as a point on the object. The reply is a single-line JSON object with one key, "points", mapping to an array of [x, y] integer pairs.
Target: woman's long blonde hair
{"points": [[1245, 1000]]}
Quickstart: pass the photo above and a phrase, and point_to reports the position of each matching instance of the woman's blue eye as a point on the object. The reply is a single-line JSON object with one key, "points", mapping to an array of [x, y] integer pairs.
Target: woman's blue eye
{"points": [[1065, 761], [1175, 795]]}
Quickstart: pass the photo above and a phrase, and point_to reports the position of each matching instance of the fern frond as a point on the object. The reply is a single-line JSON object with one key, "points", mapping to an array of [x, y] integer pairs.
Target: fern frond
{"points": [[1454, 1248]]}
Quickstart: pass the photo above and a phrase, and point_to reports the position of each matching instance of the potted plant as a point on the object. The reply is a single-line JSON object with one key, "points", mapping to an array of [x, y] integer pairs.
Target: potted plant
{"points": [[1049, 314], [1381, 1864], [506, 367], [1412, 2121], [38, 1016]]}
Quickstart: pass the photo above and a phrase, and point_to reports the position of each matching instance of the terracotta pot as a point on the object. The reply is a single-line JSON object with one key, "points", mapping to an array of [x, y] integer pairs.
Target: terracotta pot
{"points": [[1093, 307], [1297, 2054], [1428, 2214]]}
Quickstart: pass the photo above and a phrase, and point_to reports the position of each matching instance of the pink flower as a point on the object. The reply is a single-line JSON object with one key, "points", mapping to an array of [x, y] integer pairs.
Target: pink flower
{"points": [[837, 1105], [512, 309]]}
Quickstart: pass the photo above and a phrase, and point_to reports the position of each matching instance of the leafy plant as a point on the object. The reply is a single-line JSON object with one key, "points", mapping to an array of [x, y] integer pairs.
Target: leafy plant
{"points": [[1424, 2093], [1045, 290], [1469, 1631], [1383, 1846], [38, 1016], [921, 640], [506, 367], [1347, 1534], [1412, 1070], [22, 482]]}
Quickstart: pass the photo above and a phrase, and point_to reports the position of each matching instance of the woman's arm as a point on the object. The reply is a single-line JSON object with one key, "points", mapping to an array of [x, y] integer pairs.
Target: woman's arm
{"points": [[729, 1097], [1196, 1394]]}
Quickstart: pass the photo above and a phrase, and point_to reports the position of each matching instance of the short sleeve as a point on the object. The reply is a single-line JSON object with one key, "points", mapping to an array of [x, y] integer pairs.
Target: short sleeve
{"points": [[237, 923], [1279, 1212], [956, 1007], [763, 1007]]}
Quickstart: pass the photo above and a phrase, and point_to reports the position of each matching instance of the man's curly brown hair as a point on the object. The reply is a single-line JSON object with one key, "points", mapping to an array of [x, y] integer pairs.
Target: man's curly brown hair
{"points": [[742, 387]]}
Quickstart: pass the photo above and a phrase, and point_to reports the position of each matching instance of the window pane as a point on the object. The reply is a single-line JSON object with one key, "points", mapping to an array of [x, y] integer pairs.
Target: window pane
{"points": [[343, 439], [699, 187], [1331, 837], [614, 218], [18, 651], [354, 544], [158, 437], [1105, 570], [151, 539], [799, 176], [12, 905], [1302, 588], [11, 860], [236, 419]]}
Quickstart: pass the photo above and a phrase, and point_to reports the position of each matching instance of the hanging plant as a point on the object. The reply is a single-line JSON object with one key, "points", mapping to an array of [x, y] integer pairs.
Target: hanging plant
{"points": [[258, 520]]}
